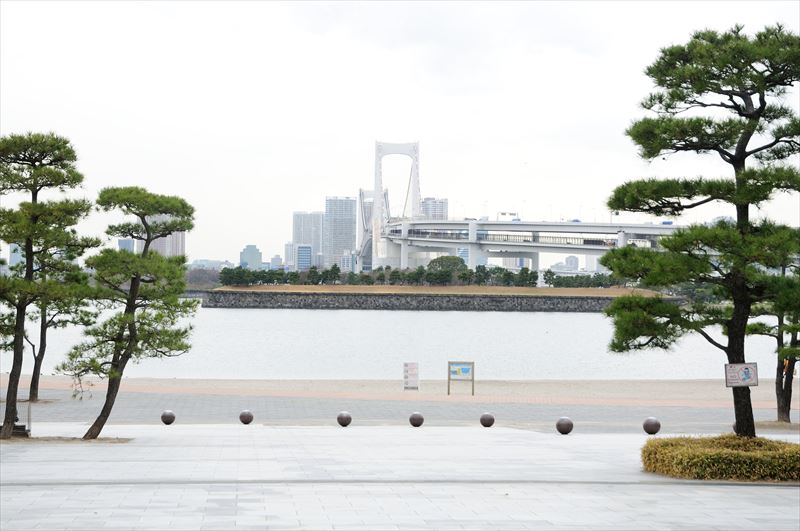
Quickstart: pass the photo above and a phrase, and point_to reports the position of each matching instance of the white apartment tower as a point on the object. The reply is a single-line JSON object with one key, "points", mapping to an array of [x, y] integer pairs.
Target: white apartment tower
{"points": [[339, 229], [250, 258], [172, 245], [434, 208], [307, 228]]}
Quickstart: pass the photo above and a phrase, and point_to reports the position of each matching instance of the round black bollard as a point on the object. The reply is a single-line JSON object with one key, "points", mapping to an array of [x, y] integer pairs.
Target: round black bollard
{"points": [[487, 420], [651, 425], [564, 425], [246, 416], [344, 419], [416, 419], [167, 417]]}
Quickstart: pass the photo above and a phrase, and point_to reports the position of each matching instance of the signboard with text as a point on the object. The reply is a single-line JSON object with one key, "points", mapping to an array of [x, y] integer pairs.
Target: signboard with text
{"points": [[461, 370], [741, 374], [411, 376]]}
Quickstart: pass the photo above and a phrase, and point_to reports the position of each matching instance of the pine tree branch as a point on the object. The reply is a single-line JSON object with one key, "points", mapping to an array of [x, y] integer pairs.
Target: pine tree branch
{"points": [[711, 340], [780, 140], [698, 203]]}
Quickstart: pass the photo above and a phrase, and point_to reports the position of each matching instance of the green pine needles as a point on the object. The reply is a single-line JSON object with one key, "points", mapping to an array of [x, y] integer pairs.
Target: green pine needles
{"points": [[723, 94], [142, 290]]}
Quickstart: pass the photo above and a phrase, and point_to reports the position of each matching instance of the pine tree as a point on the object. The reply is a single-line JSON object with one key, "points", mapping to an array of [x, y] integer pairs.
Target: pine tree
{"points": [[143, 288], [720, 93], [37, 165]]}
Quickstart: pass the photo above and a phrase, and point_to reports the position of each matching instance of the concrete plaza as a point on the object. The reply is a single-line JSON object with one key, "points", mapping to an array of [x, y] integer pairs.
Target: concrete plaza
{"points": [[294, 468], [363, 477]]}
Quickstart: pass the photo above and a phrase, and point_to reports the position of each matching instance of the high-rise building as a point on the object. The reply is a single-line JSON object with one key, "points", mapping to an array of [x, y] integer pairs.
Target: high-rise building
{"points": [[288, 252], [339, 229], [276, 262], [172, 245], [348, 262], [433, 208], [250, 258], [126, 244], [307, 228], [303, 259]]}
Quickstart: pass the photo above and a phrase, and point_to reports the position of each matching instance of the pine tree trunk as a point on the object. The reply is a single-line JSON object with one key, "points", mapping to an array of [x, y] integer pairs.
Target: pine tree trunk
{"points": [[783, 389], [13, 379], [111, 396], [745, 424], [33, 392], [743, 409]]}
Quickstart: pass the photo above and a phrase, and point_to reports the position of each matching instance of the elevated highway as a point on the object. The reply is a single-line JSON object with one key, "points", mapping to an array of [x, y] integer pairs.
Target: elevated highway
{"points": [[404, 240]]}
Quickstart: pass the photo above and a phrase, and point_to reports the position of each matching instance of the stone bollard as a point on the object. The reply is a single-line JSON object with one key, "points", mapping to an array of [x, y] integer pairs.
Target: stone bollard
{"points": [[167, 417], [416, 419], [651, 425], [487, 420], [564, 425], [246, 416], [344, 419]]}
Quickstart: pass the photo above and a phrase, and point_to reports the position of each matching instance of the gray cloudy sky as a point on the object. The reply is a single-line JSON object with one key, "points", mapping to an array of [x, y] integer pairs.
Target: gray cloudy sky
{"points": [[251, 110]]}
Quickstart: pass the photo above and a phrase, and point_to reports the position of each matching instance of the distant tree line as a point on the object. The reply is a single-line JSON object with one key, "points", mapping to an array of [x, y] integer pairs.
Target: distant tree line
{"points": [[598, 280], [442, 271]]}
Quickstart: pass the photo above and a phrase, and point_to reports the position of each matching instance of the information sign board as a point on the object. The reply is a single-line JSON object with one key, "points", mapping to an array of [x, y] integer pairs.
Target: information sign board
{"points": [[741, 374], [461, 370], [411, 376]]}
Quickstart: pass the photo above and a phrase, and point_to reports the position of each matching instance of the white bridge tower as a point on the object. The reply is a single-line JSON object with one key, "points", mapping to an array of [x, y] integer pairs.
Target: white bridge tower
{"points": [[380, 251]]}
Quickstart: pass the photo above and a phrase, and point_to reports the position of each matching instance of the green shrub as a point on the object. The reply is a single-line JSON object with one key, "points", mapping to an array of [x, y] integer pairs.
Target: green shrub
{"points": [[723, 457]]}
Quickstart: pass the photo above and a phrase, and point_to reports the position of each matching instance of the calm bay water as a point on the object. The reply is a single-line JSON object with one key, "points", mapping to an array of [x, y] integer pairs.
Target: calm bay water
{"points": [[349, 344]]}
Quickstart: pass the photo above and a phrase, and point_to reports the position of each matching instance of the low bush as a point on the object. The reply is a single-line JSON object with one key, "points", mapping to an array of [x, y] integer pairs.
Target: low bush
{"points": [[723, 457]]}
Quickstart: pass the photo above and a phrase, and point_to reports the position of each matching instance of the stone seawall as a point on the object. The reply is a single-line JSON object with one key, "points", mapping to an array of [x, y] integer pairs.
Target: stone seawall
{"points": [[393, 301]]}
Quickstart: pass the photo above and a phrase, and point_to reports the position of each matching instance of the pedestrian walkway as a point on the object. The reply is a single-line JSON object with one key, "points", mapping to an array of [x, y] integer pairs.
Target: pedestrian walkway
{"points": [[191, 408], [231, 476]]}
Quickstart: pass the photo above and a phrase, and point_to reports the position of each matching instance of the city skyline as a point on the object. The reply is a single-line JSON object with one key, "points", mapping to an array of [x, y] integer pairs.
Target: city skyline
{"points": [[504, 98]]}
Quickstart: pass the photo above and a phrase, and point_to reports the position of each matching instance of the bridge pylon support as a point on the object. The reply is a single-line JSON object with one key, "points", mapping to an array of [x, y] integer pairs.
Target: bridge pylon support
{"points": [[379, 217], [534, 261], [404, 255]]}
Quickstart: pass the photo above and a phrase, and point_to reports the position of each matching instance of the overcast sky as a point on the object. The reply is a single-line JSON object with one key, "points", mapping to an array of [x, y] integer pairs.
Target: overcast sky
{"points": [[252, 110]]}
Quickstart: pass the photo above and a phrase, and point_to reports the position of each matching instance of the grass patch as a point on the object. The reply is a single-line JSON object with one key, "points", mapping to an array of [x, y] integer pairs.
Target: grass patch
{"points": [[723, 457]]}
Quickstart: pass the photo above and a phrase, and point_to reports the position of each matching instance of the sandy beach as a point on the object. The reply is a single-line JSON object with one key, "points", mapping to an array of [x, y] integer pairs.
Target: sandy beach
{"points": [[668, 393]]}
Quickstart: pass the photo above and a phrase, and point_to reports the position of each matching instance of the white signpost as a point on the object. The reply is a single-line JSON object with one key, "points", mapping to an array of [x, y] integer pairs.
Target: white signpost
{"points": [[741, 374], [461, 370], [411, 376]]}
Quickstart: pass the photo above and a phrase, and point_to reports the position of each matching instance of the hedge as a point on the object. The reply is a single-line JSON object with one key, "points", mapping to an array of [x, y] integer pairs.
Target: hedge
{"points": [[723, 457]]}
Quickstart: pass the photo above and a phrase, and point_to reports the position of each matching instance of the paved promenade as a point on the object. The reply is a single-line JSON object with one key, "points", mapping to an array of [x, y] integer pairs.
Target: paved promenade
{"points": [[693, 406], [293, 468], [381, 477]]}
